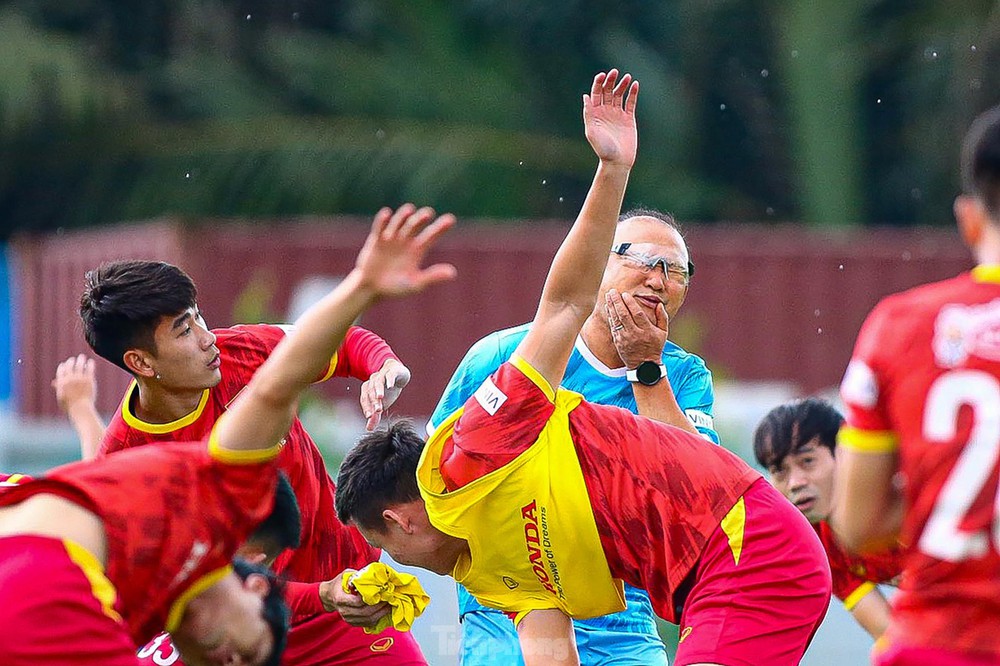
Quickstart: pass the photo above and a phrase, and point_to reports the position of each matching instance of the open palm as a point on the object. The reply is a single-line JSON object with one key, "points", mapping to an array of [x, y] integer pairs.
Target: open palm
{"points": [[389, 262], [609, 117]]}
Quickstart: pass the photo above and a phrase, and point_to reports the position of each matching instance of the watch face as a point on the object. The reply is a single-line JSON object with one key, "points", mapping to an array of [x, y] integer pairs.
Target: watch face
{"points": [[648, 373]]}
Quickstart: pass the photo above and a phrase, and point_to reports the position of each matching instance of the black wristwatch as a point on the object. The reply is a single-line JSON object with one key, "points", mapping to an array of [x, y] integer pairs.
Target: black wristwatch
{"points": [[647, 373]]}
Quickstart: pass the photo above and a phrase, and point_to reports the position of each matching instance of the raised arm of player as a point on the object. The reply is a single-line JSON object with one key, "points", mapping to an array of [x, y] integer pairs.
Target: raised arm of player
{"points": [[387, 266], [571, 287], [76, 392]]}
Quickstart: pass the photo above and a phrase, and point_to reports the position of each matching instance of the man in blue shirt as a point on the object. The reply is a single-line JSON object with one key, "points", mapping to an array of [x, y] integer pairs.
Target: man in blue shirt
{"points": [[621, 358]]}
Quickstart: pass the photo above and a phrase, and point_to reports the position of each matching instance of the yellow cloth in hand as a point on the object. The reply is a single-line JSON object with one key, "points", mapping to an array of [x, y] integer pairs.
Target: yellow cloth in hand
{"points": [[379, 582]]}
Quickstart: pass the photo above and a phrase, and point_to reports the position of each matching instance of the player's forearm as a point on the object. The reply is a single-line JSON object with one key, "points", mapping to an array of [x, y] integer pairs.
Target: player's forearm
{"points": [[547, 639], [576, 272], [319, 332], [657, 402], [872, 613], [88, 426], [263, 414], [868, 508]]}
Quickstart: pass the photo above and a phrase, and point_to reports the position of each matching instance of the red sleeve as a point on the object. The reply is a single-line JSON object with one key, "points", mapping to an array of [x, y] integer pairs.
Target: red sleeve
{"points": [[501, 420], [361, 354], [303, 598]]}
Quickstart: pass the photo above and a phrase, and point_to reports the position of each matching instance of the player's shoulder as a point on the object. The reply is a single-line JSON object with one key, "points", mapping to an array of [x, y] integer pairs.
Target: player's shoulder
{"points": [[924, 297], [243, 332], [676, 356], [498, 344]]}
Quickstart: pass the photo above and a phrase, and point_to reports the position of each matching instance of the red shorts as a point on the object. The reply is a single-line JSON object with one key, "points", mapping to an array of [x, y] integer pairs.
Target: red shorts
{"points": [[766, 608], [320, 640], [902, 655], [325, 640], [48, 612]]}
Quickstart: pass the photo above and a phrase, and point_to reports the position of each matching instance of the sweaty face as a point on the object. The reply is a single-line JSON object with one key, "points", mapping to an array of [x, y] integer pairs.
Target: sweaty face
{"points": [[805, 478], [186, 356], [650, 238], [229, 629]]}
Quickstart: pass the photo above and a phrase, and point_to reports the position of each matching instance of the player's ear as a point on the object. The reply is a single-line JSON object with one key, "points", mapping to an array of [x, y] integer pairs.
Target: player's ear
{"points": [[139, 363], [971, 217], [396, 518], [257, 584]]}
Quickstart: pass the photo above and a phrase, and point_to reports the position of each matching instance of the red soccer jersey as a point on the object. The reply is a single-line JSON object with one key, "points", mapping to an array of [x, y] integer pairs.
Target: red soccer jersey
{"points": [[854, 576], [328, 547], [924, 381], [173, 515], [9, 480], [657, 492]]}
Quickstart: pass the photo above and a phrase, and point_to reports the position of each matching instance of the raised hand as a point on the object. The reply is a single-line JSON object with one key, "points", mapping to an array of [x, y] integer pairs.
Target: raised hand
{"points": [[609, 117], [389, 262], [74, 382], [637, 337], [382, 389]]}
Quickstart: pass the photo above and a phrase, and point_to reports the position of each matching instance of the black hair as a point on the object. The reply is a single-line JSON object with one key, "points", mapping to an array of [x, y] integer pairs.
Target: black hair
{"points": [[379, 471], [981, 161], [276, 612], [123, 302], [789, 427], [283, 526]]}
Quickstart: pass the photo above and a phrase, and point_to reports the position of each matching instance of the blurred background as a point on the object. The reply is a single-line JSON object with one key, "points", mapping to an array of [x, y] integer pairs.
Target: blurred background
{"points": [[809, 148]]}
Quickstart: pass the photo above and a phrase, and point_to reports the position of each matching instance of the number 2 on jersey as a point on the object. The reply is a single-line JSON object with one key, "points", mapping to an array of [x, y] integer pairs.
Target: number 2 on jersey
{"points": [[942, 537]]}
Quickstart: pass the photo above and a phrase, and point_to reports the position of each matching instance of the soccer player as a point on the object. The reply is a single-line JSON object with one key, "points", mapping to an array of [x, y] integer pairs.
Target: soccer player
{"points": [[164, 521], [645, 282], [917, 457], [143, 316], [796, 442], [541, 503]]}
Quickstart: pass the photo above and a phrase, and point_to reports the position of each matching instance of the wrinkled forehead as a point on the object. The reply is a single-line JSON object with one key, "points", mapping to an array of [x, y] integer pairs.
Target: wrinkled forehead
{"points": [[673, 252], [652, 237]]}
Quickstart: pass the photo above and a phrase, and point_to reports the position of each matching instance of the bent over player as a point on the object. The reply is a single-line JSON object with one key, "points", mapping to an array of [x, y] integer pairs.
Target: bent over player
{"points": [[528, 497], [143, 316], [100, 555]]}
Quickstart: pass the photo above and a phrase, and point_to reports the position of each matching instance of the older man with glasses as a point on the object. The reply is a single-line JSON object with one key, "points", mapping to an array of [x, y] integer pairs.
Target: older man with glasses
{"points": [[622, 358]]}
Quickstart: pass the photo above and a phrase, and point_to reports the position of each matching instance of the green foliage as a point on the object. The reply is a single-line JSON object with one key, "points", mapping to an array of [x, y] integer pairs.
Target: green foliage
{"points": [[751, 109]]}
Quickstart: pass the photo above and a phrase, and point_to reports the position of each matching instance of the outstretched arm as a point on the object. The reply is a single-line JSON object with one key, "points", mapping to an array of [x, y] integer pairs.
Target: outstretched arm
{"points": [[76, 392], [387, 266], [570, 290]]}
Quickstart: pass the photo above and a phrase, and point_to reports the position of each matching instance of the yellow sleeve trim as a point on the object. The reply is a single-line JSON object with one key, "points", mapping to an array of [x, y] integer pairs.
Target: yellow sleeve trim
{"points": [[857, 595], [13, 479], [100, 586], [986, 273], [332, 368], [180, 605], [868, 441], [238, 456], [536, 377]]}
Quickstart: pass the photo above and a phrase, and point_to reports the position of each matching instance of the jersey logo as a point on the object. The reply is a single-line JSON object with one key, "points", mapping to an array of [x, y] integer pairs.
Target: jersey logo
{"points": [[860, 387], [700, 418], [684, 634], [198, 552], [961, 331], [509, 582], [382, 644], [490, 397]]}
